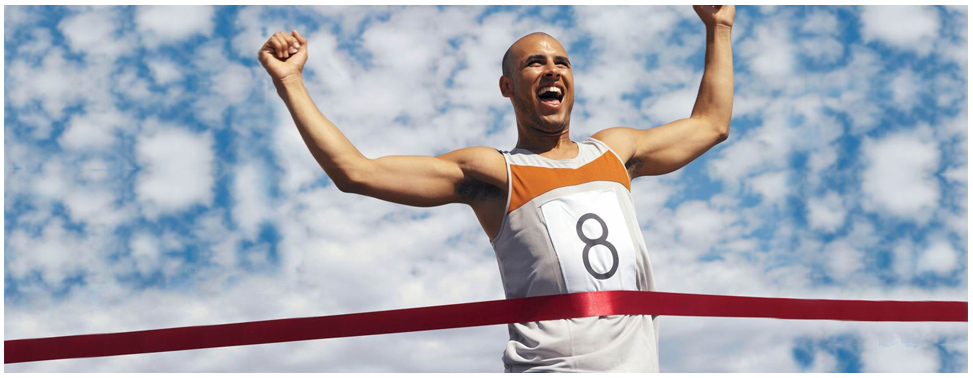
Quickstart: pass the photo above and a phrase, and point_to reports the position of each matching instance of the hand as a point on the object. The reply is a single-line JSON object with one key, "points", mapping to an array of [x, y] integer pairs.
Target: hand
{"points": [[283, 55], [716, 15]]}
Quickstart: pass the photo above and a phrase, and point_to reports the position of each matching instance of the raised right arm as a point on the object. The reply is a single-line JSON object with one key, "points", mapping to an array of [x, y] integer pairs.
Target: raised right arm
{"points": [[463, 176]]}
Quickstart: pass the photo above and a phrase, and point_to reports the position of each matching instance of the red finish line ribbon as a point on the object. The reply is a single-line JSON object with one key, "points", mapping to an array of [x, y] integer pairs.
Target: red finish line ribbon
{"points": [[474, 314]]}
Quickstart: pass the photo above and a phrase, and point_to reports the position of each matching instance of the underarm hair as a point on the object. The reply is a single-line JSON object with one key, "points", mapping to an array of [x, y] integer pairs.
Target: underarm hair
{"points": [[633, 166], [473, 190]]}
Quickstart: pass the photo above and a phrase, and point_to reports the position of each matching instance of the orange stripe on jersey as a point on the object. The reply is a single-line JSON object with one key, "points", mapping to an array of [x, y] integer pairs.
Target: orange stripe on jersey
{"points": [[529, 182]]}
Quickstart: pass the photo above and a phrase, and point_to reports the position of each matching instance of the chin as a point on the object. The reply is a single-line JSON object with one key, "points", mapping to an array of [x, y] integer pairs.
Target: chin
{"points": [[552, 125]]}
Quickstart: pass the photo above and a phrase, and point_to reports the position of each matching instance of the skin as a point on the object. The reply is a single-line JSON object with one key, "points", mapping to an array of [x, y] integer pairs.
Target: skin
{"points": [[536, 61], [477, 176]]}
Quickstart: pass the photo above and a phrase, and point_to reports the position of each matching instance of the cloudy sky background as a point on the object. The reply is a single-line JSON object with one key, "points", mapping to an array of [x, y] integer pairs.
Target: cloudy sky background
{"points": [[153, 178]]}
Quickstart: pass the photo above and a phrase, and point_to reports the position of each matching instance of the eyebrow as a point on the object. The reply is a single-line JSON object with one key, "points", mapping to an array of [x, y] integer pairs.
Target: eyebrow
{"points": [[542, 57]]}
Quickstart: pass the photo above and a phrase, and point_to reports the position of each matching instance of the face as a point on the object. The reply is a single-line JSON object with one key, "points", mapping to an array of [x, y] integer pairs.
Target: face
{"points": [[540, 84]]}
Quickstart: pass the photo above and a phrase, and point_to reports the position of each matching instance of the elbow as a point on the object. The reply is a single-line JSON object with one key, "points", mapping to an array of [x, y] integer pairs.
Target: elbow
{"points": [[721, 128], [350, 180], [349, 186], [718, 129], [722, 134]]}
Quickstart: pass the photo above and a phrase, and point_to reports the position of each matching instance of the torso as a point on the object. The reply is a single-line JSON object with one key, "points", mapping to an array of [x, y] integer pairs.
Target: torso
{"points": [[567, 226], [488, 191]]}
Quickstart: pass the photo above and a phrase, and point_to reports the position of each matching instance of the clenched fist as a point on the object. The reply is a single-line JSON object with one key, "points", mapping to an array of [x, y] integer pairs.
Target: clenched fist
{"points": [[716, 15], [283, 55]]}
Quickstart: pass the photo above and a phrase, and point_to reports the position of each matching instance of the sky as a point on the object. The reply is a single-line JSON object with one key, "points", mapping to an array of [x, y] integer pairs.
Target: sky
{"points": [[153, 178]]}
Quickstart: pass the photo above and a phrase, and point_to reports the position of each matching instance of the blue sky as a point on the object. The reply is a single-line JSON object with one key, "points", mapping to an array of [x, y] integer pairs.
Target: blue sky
{"points": [[154, 179]]}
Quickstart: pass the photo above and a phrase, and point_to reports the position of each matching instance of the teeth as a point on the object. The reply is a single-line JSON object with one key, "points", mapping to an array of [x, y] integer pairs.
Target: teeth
{"points": [[551, 89]]}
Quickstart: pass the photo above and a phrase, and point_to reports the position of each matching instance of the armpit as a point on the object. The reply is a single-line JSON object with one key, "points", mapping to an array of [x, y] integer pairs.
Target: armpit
{"points": [[633, 166], [475, 190]]}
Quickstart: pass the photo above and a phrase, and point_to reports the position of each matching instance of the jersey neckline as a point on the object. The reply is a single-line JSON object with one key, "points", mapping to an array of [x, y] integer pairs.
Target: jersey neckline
{"points": [[568, 160]]}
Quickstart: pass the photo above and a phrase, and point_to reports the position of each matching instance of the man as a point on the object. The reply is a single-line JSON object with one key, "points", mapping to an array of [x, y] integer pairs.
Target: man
{"points": [[558, 213]]}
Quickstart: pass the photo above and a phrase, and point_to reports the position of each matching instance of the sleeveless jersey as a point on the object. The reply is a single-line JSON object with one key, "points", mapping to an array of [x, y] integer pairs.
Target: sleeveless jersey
{"points": [[570, 227]]}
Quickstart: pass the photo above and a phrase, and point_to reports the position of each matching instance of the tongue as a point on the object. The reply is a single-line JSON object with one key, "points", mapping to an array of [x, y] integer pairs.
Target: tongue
{"points": [[551, 102]]}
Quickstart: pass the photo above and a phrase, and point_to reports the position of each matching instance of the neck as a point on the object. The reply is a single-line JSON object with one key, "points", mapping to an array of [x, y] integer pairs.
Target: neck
{"points": [[552, 145]]}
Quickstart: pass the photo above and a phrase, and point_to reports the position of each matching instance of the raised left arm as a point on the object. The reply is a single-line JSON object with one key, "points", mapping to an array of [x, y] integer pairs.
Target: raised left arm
{"points": [[666, 148]]}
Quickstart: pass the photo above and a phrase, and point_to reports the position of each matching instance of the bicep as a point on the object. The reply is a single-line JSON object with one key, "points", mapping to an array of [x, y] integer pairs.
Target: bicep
{"points": [[666, 148], [421, 180]]}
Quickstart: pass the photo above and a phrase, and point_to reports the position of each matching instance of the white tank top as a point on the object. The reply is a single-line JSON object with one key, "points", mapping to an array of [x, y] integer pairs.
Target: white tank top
{"points": [[570, 227]]}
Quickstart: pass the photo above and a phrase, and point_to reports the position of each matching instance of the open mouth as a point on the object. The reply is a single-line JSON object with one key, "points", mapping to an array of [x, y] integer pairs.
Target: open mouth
{"points": [[551, 96]]}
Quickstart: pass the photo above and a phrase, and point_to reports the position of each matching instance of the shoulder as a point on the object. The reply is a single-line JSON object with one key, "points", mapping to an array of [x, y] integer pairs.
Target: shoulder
{"points": [[481, 163], [619, 139], [471, 157]]}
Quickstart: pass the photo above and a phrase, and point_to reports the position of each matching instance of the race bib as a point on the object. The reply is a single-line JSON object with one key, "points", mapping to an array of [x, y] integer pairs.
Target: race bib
{"points": [[592, 242]]}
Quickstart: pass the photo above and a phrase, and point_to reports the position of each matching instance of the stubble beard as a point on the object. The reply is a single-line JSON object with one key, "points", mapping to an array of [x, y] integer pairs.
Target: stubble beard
{"points": [[538, 123]]}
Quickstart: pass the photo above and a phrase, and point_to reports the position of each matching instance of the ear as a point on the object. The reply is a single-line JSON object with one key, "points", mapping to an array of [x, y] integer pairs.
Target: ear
{"points": [[506, 88]]}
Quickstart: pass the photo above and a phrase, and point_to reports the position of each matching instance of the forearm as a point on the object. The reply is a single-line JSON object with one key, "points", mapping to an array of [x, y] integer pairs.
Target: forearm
{"points": [[330, 148], [714, 102]]}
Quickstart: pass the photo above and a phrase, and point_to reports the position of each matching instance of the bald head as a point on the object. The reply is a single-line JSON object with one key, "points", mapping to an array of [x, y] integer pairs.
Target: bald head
{"points": [[508, 57], [538, 81]]}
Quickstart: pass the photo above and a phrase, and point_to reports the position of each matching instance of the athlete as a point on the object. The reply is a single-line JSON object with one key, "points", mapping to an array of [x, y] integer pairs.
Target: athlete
{"points": [[559, 213]]}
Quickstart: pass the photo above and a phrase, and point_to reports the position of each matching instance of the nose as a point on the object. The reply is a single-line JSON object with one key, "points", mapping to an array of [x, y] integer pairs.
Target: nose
{"points": [[552, 71]]}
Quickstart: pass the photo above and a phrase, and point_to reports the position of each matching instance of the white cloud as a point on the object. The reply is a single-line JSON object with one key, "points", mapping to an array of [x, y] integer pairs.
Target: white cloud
{"points": [[39, 43], [769, 54], [700, 226], [823, 49], [254, 31], [349, 18], [762, 148], [821, 159], [176, 169], [14, 18], [907, 27], [54, 83], [821, 21], [898, 177], [145, 252], [94, 170], [826, 213], [843, 260], [53, 181], [823, 362], [772, 187], [906, 88], [162, 25], [903, 259], [55, 253], [939, 257], [96, 33], [227, 85], [95, 205], [650, 195], [164, 71], [947, 89], [849, 88], [667, 107], [333, 68], [251, 184], [94, 130], [636, 27], [957, 174], [233, 83], [899, 358], [132, 86]]}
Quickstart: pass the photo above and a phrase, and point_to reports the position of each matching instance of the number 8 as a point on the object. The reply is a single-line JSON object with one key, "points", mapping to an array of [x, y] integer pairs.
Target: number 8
{"points": [[601, 240]]}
